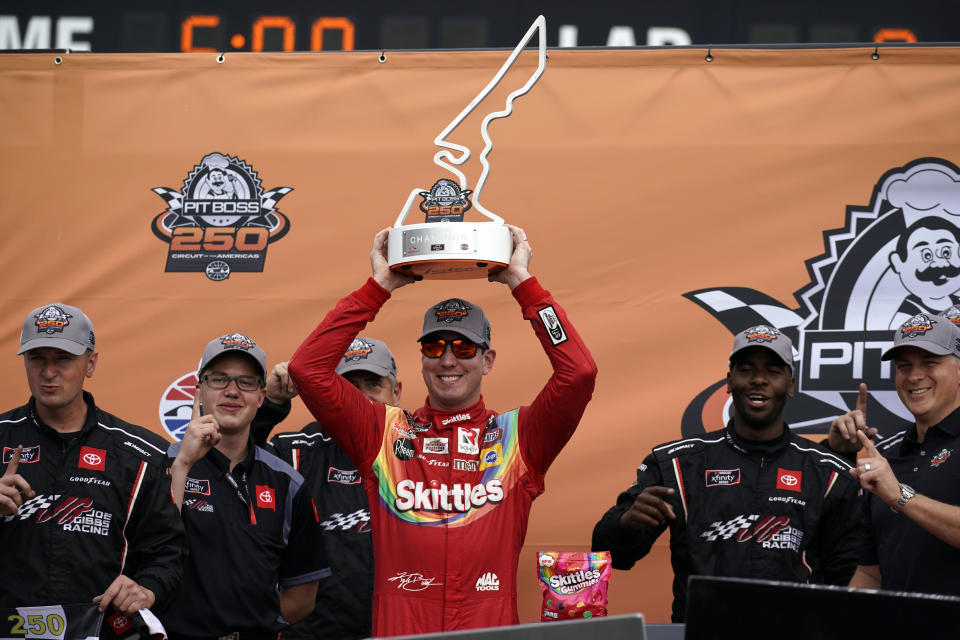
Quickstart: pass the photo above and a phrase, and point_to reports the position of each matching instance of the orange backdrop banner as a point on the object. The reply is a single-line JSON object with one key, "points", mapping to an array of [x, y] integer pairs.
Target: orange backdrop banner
{"points": [[670, 201]]}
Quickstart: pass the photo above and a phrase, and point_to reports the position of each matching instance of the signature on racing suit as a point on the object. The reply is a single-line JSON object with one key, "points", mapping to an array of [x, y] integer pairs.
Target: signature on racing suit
{"points": [[413, 581]]}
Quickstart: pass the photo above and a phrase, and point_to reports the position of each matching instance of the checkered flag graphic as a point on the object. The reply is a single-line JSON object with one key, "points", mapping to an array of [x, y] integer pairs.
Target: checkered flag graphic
{"points": [[739, 308], [173, 198], [345, 522], [270, 198], [31, 506], [726, 529]]}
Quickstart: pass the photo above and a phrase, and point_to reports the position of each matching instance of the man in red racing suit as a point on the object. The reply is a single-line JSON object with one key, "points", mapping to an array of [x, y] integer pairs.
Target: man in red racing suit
{"points": [[450, 486]]}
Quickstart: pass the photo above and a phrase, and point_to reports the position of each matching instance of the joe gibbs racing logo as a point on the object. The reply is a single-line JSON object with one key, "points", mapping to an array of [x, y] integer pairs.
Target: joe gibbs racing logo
{"points": [[221, 221], [894, 258]]}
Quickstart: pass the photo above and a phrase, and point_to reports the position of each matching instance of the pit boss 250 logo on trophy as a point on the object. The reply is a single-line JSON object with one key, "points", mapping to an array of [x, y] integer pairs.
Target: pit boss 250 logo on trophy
{"points": [[444, 246]]}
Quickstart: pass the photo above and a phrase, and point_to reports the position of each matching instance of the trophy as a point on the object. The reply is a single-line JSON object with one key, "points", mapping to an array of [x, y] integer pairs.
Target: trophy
{"points": [[444, 246]]}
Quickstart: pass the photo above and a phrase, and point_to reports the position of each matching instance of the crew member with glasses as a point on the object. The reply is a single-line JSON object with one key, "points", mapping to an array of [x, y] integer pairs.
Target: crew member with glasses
{"points": [[252, 528], [450, 485]]}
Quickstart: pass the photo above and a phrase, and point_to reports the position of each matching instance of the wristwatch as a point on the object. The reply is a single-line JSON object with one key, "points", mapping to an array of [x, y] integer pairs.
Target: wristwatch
{"points": [[906, 492]]}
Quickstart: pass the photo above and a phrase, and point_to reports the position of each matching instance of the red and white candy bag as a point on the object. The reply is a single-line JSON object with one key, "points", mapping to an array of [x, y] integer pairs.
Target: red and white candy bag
{"points": [[574, 584]]}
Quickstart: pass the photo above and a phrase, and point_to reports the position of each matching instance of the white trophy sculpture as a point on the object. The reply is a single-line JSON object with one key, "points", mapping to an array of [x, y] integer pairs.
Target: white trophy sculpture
{"points": [[445, 247]]}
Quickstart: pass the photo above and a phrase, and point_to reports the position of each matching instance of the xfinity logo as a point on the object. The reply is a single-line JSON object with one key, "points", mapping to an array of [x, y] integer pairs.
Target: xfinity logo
{"points": [[722, 477], [488, 582]]}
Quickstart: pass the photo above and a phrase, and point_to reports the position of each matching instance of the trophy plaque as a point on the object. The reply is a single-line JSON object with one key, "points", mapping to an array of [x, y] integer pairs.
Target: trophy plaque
{"points": [[444, 247]]}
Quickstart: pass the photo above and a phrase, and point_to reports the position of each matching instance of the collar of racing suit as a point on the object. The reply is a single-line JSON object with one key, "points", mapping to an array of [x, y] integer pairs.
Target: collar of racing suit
{"points": [[759, 448], [89, 422], [475, 415]]}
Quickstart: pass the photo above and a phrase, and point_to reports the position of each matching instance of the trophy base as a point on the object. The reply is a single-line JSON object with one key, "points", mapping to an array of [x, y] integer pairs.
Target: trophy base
{"points": [[449, 250]]}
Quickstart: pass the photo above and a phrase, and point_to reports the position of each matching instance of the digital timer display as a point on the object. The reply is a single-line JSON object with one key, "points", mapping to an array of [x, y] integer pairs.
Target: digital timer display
{"points": [[337, 25]]}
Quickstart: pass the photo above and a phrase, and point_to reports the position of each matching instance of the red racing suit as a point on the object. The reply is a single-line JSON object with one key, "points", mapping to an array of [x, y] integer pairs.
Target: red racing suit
{"points": [[450, 492]]}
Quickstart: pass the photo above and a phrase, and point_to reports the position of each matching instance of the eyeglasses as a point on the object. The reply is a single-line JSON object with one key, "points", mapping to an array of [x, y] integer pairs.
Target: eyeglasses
{"points": [[244, 383], [462, 349]]}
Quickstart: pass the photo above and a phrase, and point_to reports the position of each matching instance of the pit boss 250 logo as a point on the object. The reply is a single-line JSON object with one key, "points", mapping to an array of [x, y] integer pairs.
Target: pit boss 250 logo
{"points": [[52, 320], [222, 220], [445, 202], [452, 310], [894, 258], [359, 350]]}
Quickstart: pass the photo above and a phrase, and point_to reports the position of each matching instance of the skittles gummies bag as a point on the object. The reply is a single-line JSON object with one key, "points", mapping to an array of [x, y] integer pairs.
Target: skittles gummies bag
{"points": [[574, 584]]}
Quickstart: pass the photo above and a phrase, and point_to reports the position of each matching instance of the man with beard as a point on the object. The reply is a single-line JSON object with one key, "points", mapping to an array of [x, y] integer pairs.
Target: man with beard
{"points": [[927, 260], [750, 501]]}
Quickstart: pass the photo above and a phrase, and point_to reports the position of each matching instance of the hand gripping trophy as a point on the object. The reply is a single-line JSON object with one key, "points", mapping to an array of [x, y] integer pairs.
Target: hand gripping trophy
{"points": [[444, 246]]}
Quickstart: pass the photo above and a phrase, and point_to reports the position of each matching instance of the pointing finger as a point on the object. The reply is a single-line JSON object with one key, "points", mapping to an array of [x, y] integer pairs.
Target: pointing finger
{"points": [[196, 406], [862, 405], [14, 461], [862, 398], [867, 444]]}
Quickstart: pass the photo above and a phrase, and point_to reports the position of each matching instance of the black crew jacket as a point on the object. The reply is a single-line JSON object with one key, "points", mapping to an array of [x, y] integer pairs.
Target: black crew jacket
{"points": [[783, 509], [344, 600], [102, 507]]}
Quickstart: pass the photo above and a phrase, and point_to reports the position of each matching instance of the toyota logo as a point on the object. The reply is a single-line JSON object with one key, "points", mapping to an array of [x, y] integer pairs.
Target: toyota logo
{"points": [[119, 622], [92, 459], [788, 480], [266, 496]]}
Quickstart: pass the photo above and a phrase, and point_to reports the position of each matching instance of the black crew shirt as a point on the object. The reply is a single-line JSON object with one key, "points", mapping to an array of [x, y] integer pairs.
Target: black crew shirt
{"points": [[249, 531], [101, 507], [345, 601], [911, 559]]}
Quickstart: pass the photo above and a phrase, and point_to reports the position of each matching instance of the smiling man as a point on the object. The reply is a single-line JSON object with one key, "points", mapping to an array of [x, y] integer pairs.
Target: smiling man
{"points": [[252, 527], [750, 501], [912, 540], [85, 509], [450, 485]]}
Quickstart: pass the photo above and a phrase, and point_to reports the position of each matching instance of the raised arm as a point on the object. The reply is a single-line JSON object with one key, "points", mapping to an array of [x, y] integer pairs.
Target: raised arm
{"points": [[202, 434], [276, 405], [349, 417], [875, 475], [550, 420]]}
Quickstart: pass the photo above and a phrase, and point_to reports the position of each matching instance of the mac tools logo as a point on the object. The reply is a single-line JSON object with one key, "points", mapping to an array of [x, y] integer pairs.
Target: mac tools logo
{"points": [[222, 220], [893, 258]]}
